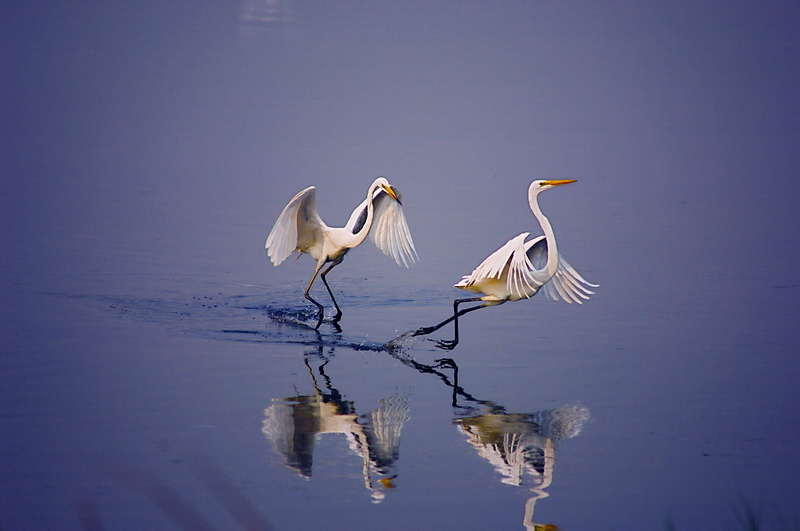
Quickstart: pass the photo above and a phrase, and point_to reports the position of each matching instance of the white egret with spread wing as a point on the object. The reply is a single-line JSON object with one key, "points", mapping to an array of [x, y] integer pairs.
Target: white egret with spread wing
{"points": [[300, 229], [520, 269]]}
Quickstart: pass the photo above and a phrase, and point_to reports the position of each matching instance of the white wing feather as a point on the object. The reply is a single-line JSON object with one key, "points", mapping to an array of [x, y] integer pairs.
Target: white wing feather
{"points": [[495, 263], [510, 259], [523, 263], [521, 281], [567, 283], [390, 231], [295, 228]]}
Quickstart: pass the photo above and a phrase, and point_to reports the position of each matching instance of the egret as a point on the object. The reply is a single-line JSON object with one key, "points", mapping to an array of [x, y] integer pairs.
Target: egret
{"points": [[520, 269], [300, 229]]}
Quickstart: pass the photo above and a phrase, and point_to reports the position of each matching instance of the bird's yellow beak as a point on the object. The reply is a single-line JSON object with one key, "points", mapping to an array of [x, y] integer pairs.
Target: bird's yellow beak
{"points": [[556, 183], [388, 190]]}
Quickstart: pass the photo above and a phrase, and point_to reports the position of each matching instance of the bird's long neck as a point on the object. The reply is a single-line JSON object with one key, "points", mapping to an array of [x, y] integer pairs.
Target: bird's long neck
{"points": [[361, 235], [549, 235]]}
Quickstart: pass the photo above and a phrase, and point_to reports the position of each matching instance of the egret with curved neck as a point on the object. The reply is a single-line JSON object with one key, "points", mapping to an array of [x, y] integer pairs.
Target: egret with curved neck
{"points": [[520, 269], [300, 229]]}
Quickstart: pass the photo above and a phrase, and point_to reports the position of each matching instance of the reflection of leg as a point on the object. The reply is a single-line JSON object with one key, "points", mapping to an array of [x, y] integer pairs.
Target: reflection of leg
{"points": [[445, 363], [449, 363]]}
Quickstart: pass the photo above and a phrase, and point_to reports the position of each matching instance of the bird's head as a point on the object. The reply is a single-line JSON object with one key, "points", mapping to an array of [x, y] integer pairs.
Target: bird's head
{"points": [[382, 184], [540, 186]]}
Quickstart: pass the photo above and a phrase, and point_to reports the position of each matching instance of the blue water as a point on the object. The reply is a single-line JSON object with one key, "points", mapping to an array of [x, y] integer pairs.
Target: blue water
{"points": [[159, 373]]}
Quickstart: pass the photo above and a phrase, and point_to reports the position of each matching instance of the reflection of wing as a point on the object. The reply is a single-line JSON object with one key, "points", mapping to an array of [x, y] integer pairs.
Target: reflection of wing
{"points": [[297, 227], [390, 231], [515, 443], [510, 442], [520, 445], [567, 283], [378, 444], [295, 424], [383, 427], [292, 428]]}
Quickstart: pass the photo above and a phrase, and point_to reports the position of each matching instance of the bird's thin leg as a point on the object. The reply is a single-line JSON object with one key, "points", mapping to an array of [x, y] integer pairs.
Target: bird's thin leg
{"points": [[450, 345], [338, 310], [430, 329], [307, 296]]}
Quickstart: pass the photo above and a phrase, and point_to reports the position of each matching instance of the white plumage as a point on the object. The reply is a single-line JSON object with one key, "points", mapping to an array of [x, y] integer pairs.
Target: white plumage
{"points": [[508, 273], [519, 270], [300, 229]]}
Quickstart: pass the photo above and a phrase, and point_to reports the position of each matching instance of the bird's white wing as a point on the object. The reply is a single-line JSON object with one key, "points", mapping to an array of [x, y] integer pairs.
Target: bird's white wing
{"points": [[390, 230], [295, 227], [493, 265], [567, 283], [520, 281]]}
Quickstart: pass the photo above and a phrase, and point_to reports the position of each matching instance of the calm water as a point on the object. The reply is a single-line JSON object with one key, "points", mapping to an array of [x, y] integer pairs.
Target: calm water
{"points": [[158, 372]]}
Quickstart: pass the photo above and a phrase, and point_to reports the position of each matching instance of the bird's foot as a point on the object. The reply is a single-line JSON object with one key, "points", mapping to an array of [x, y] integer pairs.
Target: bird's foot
{"points": [[445, 363], [335, 324]]}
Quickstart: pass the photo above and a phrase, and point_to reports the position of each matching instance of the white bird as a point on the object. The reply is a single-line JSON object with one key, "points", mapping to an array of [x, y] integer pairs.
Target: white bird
{"points": [[300, 229], [519, 269]]}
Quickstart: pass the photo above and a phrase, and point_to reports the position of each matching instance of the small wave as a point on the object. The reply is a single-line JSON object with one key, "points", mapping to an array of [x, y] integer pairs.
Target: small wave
{"points": [[292, 316], [240, 317]]}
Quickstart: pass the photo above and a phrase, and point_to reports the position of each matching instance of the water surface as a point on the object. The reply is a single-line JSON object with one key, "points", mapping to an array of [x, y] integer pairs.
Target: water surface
{"points": [[159, 372]]}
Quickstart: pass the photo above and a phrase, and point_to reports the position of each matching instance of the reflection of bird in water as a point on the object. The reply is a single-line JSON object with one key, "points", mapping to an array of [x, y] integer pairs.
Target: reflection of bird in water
{"points": [[300, 229], [519, 269], [294, 424], [521, 446]]}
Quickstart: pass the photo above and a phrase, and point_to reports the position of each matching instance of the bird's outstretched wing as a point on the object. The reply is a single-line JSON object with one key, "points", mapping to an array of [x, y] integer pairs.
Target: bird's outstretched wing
{"points": [[567, 283], [295, 228], [390, 230], [511, 260]]}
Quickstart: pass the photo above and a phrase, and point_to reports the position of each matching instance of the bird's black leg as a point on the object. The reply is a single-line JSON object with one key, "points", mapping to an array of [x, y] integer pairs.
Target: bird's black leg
{"points": [[307, 296], [338, 310], [450, 345], [425, 330]]}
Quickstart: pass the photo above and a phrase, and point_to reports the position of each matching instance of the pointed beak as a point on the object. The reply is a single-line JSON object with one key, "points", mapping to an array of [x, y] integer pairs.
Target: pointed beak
{"points": [[556, 183], [389, 190]]}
